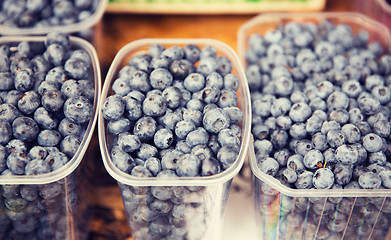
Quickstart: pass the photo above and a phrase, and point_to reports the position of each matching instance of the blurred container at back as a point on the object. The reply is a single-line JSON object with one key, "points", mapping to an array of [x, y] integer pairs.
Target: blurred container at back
{"points": [[26, 17]]}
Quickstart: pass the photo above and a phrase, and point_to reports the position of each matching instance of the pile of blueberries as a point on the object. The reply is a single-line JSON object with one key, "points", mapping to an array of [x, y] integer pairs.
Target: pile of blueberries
{"points": [[321, 102], [46, 103], [173, 113], [45, 13]]}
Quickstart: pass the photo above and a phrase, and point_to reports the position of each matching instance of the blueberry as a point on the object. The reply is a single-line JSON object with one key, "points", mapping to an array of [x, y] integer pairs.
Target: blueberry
{"points": [[37, 152], [298, 130], [382, 128], [227, 155], [7, 82], [133, 108], [24, 79], [194, 82], [76, 68], [118, 126], [228, 137], [37, 167], [263, 148], [145, 128], [364, 127], [385, 178], [173, 96], [210, 167], [184, 127], [319, 141], [128, 142], [351, 132], [121, 86], [207, 65], [323, 178], [5, 132], [53, 101], [16, 162], [269, 166], [67, 127], [136, 95], [170, 159], [216, 120], [313, 125], [235, 114], [192, 52], [369, 180], [154, 105], [160, 78], [170, 120], [304, 180], [377, 158], [287, 176], [29, 102], [163, 138], [154, 165], [55, 54], [71, 88], [156, 49], [300, 112], [173, 52], [283, 85], [279, 138], [254, 76], [343, 173], [335, 138], [280, 107], [346, 154], [121, 159], [224, 65], [69, 145], [216, 80], [25, 129], [81, 54], [113, 107], [78, 109], [193, 115], [228, 98], [337, 100], [56, 75], [368, 104], [188, 165], [180, 69], [313, 159], [352, 88], [195, 104], [372, 142], [49, 138], [231, 81], [197, 136], [17, 146]]}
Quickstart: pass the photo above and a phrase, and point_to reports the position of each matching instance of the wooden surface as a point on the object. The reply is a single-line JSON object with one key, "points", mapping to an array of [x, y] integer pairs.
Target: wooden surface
{"points": [[113, 32]]}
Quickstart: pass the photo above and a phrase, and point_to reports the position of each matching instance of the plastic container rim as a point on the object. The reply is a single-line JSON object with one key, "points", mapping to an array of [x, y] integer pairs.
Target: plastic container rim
{"points": [[384, 5], [69, 28], [222, 177], [76, 159], [271, 181]]}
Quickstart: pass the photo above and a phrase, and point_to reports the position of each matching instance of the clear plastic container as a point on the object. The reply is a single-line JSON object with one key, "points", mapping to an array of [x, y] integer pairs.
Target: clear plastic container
{"points": [[83, 28], [286, 213], [380, 10], [202, 199], [53, 205]]}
